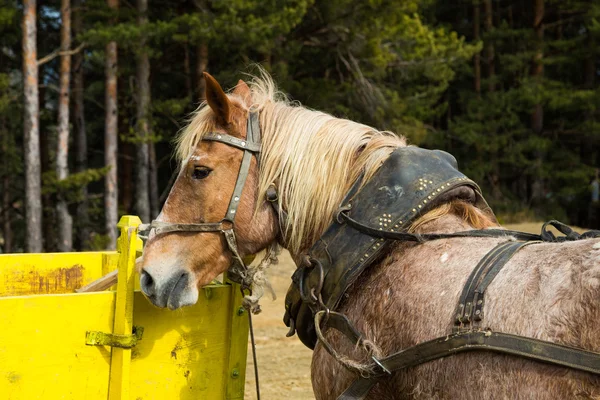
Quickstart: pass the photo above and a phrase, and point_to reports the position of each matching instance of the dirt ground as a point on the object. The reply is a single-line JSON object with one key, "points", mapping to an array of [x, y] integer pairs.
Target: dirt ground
{"points": [[284, 363]]}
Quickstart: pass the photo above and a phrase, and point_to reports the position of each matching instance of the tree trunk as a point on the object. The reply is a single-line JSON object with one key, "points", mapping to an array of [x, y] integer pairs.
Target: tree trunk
{"points": [[142, 195], [489, 46], [187, 69], [153, 184], [64, 220], [537, 115], [477, 57], [47, 147], [81, 161], [6, 203], [33, 180], [126, 173], [589, 67], [201, 64], [6, 215], [537, 68], [111, 139]]}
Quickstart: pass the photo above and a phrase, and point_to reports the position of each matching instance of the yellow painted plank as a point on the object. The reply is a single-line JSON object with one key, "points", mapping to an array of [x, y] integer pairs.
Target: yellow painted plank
{"points": [[187, 354], [184, 354], [42, 346], [123, 322], [235, 373], [51, 273]]}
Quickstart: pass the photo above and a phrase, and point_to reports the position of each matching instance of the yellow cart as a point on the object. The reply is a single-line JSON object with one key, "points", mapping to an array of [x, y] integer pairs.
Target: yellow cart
{"points": [[113, 344]]}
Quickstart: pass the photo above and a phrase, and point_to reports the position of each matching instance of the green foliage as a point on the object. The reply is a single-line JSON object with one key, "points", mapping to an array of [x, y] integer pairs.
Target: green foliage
{"points": [[405, 66], [70, 187], [492, 133]]}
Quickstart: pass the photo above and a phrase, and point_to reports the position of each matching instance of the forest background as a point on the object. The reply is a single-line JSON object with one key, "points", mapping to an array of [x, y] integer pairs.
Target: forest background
{"points": [[92, 93]]}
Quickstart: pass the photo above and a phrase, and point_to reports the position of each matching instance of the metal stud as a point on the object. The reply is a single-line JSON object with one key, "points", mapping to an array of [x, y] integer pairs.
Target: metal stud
{"points": [[243, 143], [236, 198], [420, 206], [414, 210], [231, 211], [219, 136]]}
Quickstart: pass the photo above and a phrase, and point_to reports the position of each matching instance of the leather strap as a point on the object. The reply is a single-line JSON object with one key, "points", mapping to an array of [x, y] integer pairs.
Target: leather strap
{"points": [[229, 140], [490, 274], [160, 227], [239, 187], [504, 343], [467, 336], [425, 237], [470, 305]]}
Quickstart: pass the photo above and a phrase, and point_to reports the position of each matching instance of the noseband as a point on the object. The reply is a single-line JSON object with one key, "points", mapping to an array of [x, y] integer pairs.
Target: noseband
{"points": [[251, 147]]}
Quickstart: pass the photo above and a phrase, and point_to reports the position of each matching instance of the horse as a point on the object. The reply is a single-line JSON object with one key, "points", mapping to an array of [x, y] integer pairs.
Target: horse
{"points": [[546, 291]]}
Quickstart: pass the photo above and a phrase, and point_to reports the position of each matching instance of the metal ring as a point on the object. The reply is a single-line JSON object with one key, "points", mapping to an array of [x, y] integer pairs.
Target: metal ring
{"points": [[342, 210], [314, 293], [303, 295], [381, 365]]}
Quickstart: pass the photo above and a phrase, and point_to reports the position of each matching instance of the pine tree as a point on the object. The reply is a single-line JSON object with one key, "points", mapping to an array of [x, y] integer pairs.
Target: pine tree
{"points": [[110, 139], [65, 222], [33, 184], [80, 136], [142, 198]]}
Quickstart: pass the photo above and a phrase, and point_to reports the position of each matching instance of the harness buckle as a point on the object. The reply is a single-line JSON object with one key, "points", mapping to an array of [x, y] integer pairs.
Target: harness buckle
{"points": [[381, 365]]}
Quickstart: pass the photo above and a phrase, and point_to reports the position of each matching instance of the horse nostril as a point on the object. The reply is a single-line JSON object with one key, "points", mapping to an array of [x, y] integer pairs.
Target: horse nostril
{"points": [[147, 283]]}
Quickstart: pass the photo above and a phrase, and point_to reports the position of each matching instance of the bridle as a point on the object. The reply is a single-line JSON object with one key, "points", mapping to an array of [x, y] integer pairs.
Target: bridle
{"points": [[237, 272], [251, 147]]}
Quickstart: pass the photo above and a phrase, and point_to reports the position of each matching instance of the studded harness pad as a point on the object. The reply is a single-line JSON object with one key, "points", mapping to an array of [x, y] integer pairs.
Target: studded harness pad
{"points": [[409, 183]]}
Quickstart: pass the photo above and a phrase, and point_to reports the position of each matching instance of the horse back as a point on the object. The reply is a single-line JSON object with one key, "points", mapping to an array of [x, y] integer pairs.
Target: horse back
{"points": [[547, 291]]}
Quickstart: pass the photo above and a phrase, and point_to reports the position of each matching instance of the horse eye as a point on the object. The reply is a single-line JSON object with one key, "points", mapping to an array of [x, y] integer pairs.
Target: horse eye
{"points": [[201, 172]]}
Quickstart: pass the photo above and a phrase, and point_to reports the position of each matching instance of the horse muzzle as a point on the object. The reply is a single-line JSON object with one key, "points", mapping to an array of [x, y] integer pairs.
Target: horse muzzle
{"points": [[173, 291]]}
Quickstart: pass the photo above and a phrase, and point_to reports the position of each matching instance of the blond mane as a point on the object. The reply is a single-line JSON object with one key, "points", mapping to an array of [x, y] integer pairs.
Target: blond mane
{"points": [[312, 157]]}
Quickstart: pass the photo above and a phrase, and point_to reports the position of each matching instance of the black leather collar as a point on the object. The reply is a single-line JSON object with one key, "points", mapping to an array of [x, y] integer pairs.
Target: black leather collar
{"points": [[409, 183]]}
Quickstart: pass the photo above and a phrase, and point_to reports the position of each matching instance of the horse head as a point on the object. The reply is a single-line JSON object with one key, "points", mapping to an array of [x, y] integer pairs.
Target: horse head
{"points": [[207, 195]]}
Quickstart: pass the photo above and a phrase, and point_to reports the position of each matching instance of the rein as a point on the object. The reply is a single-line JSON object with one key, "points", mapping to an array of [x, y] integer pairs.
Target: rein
{"points": [[238, 272], [544, 236]]}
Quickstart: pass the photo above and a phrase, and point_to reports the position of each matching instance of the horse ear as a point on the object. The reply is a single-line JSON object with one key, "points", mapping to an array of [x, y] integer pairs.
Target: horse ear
{"points": [[244, 92], [217, 99]]}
